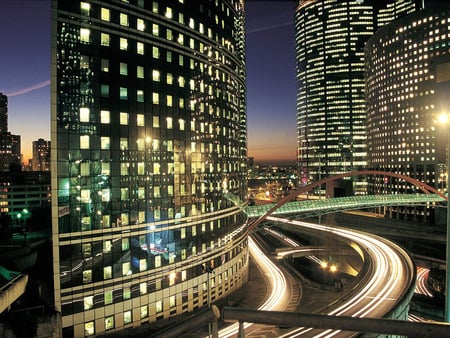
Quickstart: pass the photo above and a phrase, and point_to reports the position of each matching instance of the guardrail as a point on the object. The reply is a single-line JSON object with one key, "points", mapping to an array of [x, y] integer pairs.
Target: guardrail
{"points": [[12, 290]]}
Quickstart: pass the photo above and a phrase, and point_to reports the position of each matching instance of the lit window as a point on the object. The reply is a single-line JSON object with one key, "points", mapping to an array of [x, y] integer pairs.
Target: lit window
{"points": [[84, 141], [85, 8], [140, 72], [169, 34], [124, 196], [105, 142], [155, 29], [124, 119], [155, 7], [109, 323], [156, 121], [104, 39], [182, 124], [87, 276], [123, 143], [126, 270], [169, 121], [155, 75], [123, 19], [168, 56], [140, 48], [105, 65], [89, 328], [108, 297], [140, 119], [141, 190], [124, 168], [158, 306], [180, 39], [127, 317], [123, 44], [155, 52], [169, 101], [181, 60], [123, 93], [169, 13], [140, 95], [88, 302], [143, 288], [84, 114], [125, 244], [155, 98], [144, 311], [181, 81], [85, 35], [172, 301], [143, 264], [140, 25], [181, 102], [107, 246], [169, 78], [123, 68], [105, 117], [104, 14], [107, 272]]}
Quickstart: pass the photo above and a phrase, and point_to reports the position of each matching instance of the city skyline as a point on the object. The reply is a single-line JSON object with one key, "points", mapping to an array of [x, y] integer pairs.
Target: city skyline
{"points": [[271, 114]]}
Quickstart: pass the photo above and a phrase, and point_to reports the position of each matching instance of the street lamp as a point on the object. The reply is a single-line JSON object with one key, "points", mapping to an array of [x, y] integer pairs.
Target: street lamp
{"points": [[444, 120]]}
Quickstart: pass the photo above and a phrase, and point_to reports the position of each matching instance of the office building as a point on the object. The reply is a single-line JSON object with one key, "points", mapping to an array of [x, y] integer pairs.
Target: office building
{"points": [[148, 159], [331, 113], [3, 113], [41, 155], [10, 156], [407, 87]]}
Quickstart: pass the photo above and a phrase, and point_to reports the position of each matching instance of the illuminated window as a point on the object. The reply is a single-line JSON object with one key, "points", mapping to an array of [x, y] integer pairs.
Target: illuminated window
{"points": [[124, 194], [169, 101], [143, 264], [169, 78], [143, 288], [140, 95], [172, 301], [155, 52], [107, 272], [84, 114], [85, 35], [126, 293], [89, 328], [181, 18], [108, 297], [105, 117], [84, 141], [158, 306], [140, 72], [126, 270], [107, 246], [180, 39], [181, 81], [127, 317], [124, 168], [124, 119], [85, 8], [168, 56], [169, 121], [88, 302], [123, 68], [140, 48], [156, 121], [123, 19], [123, 44], [181, 102], [104, 39], [155, 98], [169, 34], [169, 13], [155, 29], [140, 119], [155, 75], [109, 323], [140, 25], [105, 142], [144, 311], [105, 14], [155, 7], [105, 65], [123, 93], [125, 244], [141, 190], [87, 276]]}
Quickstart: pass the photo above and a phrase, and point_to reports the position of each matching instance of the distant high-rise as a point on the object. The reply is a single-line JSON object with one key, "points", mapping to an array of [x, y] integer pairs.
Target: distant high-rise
{"points": [[41, 155], [407, 88], [148, 159], [331, 113], [3, 113]]}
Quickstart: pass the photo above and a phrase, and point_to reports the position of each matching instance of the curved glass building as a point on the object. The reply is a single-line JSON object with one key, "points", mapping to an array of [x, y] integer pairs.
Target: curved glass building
{"points": [[330, 36], [148, 159]]}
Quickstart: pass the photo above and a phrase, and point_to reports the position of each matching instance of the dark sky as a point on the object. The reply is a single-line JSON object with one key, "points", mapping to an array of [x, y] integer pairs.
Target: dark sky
{"points": [[25, 75]]}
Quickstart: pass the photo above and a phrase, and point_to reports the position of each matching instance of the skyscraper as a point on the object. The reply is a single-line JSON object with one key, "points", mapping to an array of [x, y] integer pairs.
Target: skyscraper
{"points": [[3, 113], [9, 144], [148, 159], [331, 112], [41, 155]]}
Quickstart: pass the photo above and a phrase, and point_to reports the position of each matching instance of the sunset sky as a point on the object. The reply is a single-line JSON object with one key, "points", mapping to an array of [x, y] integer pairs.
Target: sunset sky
{"points": [[271, 88]]}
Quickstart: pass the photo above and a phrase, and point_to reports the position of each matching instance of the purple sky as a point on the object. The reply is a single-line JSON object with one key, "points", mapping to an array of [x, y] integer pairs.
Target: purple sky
{"points": [[271, 88]]}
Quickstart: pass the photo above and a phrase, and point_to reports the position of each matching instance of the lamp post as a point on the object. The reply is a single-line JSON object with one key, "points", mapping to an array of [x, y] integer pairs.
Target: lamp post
{"points": [[444, 120]]}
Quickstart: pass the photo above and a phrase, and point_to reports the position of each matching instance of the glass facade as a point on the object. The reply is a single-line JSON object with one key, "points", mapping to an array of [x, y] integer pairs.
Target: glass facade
{"points": [[148, 159], [407, 65], [331, 114]]}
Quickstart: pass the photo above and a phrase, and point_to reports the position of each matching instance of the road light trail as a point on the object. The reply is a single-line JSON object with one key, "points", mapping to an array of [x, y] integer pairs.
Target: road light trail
{"points": [[421, 284], [277, 284], [390, 273]]}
